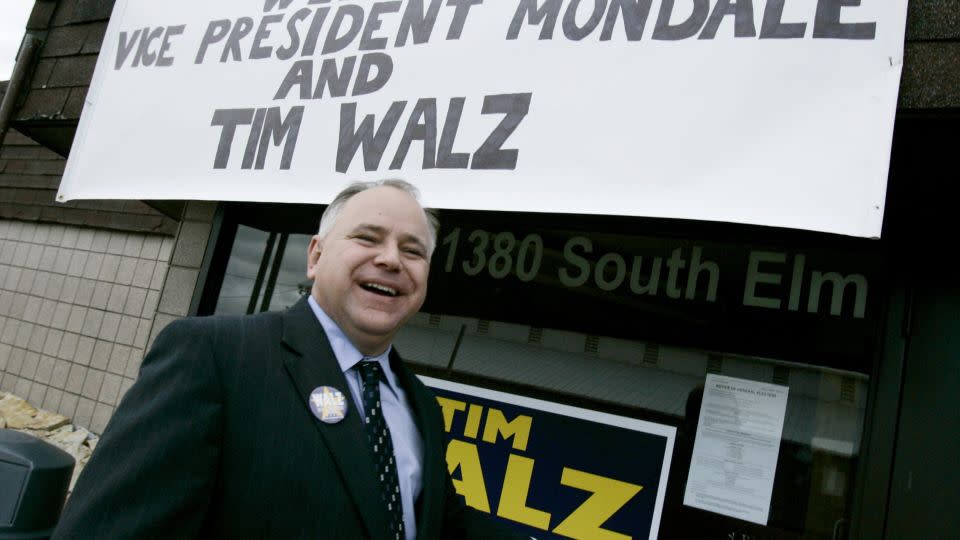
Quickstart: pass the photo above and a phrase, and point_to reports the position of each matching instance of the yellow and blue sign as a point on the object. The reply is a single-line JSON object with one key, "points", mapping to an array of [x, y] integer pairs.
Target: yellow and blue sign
{"points": [[555, 471]]}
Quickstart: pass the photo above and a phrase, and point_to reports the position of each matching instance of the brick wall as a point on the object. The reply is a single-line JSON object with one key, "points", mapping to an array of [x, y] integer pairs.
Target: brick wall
{"points": [[186, 261], [77, 306]]}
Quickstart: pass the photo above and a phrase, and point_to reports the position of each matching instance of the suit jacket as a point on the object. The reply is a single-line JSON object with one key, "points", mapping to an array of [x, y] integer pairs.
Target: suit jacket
{"points": [[216, 439]]}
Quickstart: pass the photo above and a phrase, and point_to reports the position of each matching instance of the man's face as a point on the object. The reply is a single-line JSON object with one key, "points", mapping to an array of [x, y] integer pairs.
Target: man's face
{"points": [[370, 270]]}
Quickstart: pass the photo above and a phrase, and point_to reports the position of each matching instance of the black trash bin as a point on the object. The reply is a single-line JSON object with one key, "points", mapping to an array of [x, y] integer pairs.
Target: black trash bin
{"points": [[34, 477]]}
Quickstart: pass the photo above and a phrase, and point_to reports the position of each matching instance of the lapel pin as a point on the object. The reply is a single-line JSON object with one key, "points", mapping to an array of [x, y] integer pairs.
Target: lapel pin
{"points": [[328, 404]]}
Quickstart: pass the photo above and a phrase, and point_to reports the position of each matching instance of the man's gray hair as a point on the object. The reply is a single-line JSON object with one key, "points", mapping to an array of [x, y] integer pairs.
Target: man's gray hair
{"points": [[332, 212]]}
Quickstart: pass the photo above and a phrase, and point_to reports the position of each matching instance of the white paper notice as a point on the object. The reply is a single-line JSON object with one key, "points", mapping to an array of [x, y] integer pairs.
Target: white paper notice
{"points": [[736, 449]]}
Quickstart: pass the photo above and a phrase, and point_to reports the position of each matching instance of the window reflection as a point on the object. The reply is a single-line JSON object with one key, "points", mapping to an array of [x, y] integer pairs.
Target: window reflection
{"points": [[292, 277], [265, 272]]}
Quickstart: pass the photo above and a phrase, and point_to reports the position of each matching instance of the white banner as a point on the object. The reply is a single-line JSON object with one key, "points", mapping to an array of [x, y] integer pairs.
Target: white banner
{"points": [[771, 112]]}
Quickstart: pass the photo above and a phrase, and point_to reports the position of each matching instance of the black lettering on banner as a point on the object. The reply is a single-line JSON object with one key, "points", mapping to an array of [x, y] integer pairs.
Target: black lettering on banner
{"points": [[250, 153], [287, 52], [336, 42], [285, 130], [330, 78], [313, 33], [142, 40], [827, 22], [258, 51], [352, 137], [635, 13], [265, 124], [545, 14], [126, 47], [361, 25], [462, 9], [163, 60], [673, 32], [373, 73], [426, 131], [773, 28], [576, 32], [364, 83], [446, 157], [143, 51], [216, 30], [417, 22], [367, 41], [232, 47], [742, 10], [300, 74], [490, 155], [229, 119]]}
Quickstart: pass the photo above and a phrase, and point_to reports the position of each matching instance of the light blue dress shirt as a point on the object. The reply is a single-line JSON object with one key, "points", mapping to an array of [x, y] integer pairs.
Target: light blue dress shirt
{"points": [[407, 443]]}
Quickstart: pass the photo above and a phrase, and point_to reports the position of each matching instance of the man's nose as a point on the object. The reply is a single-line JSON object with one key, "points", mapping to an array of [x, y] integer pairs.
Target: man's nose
{"points": [[388, 256]]}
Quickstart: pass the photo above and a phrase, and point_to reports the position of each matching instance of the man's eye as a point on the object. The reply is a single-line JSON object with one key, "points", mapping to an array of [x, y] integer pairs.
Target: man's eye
{"points": [[414, 251]]}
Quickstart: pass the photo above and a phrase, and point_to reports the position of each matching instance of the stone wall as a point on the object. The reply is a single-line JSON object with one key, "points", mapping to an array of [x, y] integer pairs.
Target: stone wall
{"points": [[19, 415]]}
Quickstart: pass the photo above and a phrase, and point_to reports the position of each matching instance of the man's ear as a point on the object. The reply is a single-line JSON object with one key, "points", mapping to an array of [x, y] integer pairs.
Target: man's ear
{"points": [[313, 255]]}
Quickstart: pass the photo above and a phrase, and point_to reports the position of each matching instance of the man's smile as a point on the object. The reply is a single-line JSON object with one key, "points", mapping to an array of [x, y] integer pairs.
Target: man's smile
{"points": [[380, 289]]}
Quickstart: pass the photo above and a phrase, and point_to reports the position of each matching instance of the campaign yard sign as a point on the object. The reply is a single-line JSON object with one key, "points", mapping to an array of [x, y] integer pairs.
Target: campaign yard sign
{"points": [[555, 471], [770, 112]]}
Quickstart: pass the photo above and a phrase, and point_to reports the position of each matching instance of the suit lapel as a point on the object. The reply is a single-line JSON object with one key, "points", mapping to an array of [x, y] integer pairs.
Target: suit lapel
{"points": [[311, 363], [434, 465]]}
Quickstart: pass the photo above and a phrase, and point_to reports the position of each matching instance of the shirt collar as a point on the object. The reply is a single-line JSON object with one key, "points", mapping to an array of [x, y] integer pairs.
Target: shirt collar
{"points": [[347, 354]]}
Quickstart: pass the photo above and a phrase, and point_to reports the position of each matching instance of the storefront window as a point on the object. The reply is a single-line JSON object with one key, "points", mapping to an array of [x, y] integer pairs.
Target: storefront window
{"points": [[266, 271], [821, 432], [633, 325]]}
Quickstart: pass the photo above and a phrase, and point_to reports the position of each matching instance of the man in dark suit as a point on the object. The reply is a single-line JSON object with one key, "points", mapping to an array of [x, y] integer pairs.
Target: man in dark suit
{"points": [[261, 427]]}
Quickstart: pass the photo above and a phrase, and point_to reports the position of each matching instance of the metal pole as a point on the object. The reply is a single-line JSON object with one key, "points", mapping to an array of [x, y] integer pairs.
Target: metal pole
{"points": [[29, 48], [274, 272], [261, 273]]}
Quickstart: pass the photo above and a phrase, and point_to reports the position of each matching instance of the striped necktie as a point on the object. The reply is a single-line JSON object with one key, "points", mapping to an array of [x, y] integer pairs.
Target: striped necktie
{"points": [[378, 437]]}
